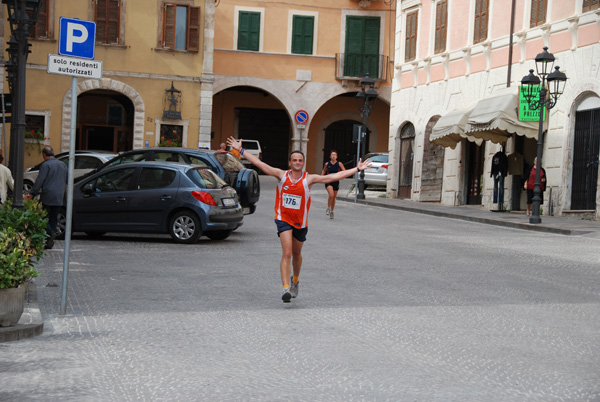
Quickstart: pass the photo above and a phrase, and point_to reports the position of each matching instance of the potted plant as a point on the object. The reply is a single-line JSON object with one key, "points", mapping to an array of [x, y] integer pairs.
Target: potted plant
{"points": [[22, 242]]}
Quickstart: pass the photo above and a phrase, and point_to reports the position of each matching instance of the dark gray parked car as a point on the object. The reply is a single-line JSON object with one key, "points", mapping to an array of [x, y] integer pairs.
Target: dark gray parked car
{"points": [[228, 167], [182, 200]]}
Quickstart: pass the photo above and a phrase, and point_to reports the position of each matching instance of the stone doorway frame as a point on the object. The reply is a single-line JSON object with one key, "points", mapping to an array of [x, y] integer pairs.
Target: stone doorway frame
{"points": [[139, 108]]}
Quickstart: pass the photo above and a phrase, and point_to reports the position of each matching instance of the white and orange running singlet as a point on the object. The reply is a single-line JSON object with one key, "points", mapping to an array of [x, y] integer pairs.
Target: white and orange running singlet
{"points": [[292, 201]]}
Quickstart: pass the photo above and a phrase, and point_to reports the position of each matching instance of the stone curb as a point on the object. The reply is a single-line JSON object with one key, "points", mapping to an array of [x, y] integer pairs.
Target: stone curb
{"points": [[447, 214], [31, 323]]}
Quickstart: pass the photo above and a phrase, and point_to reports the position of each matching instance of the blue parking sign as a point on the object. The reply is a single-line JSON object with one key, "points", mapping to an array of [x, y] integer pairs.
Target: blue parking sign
{"points": [[77, 38]]}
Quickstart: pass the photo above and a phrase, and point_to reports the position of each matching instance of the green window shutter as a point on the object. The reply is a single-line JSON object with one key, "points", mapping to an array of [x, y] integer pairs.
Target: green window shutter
{"points": [[302, 34], [362, 46], [248, 31]]}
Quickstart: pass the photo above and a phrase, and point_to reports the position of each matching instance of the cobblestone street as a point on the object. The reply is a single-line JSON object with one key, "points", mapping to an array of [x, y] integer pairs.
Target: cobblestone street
{"points": [[393, 306]]}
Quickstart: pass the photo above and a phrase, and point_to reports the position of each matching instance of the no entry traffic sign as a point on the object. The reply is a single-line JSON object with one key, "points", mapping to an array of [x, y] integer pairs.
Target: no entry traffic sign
{"points": [[301, 117]]}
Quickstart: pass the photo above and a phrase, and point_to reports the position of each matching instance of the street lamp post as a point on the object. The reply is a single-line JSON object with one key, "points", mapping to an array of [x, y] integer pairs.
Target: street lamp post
{"points": [[366, 100], [22, 16], [551, 86]]}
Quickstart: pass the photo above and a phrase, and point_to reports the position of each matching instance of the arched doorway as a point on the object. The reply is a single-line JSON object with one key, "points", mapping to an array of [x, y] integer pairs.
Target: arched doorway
{"points": [[104, 121], [338, 136], [253, 114], [405, 175], [586, 150]]}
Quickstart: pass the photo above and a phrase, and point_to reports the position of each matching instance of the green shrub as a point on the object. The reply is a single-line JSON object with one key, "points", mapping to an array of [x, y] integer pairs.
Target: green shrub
{"points": [[22, 241]]}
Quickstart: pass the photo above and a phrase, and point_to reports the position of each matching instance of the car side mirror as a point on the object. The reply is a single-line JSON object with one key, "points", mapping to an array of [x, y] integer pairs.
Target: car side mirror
{"points": [[88, 188]]}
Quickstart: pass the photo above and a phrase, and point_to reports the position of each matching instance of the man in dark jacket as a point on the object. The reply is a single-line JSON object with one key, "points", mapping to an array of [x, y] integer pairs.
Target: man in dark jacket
{"points": [[50, 184]]}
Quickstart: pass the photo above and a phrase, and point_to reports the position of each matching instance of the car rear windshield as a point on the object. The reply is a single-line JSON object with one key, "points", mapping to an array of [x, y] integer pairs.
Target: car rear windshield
{"points": [[229, 162], [378, 158], [250, 144], [205, 178]]}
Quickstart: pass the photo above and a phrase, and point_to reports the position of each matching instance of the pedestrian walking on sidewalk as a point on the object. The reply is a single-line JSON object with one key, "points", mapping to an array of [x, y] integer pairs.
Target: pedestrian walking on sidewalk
{"points": [[6, 180], [331, 167], [292, 203], [530, 185], [50, 184]]}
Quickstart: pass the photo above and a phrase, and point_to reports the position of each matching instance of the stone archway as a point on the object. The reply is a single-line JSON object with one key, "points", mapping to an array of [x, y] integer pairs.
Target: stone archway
{"points": [[112, 85]]}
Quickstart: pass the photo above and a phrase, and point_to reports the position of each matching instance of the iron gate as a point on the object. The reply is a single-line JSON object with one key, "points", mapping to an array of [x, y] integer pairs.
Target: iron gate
{"points": [[585, 160]]}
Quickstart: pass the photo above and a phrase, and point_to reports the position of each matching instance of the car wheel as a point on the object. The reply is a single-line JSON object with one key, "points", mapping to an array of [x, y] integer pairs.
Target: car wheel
{"points": [[218, 234], [185, 227], [62, 223], [27, 186], [95, 234]]}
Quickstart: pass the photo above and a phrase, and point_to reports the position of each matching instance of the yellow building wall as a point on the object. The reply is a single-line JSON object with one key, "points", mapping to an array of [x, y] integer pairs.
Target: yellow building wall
{"points": [[137, 64]]}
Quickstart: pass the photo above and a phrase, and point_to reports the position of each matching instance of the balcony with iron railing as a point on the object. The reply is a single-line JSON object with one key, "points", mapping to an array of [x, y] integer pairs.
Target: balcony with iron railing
{"points": [[353, 66]]}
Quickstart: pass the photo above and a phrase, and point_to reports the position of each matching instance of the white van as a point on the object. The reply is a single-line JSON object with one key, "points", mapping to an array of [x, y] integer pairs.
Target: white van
{"points": [[253, 147]]}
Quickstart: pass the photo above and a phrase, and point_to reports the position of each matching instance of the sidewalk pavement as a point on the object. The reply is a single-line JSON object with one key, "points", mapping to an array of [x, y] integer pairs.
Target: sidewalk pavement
{"points": [[31, 323], [519, 220]]}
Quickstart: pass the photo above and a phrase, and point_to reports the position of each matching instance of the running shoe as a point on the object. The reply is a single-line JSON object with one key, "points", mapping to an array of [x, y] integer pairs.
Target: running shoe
{"points": [[328, 211], [287, 296], [331, 215], [294, 288]]}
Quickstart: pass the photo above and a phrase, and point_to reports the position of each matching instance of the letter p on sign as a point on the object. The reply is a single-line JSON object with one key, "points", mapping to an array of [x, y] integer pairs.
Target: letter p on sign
{"points": [[77, 38], [76, 33]]}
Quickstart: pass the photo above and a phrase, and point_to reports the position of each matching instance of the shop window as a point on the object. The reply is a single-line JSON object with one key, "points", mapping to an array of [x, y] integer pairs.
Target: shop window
{"points": [[410, 43], [441, 26], [480, 32], [171, 135], [35, 128], [538, 12], [181, 27]]}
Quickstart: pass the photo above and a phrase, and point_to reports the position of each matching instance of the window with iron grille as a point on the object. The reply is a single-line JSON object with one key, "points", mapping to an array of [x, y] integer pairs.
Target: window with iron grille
{"points": [[181, 27], [107, 16], [589, 5], [410, 43], [302, 34], [538, 12], [441, 25], [41, 30], [248, 30], [480, 32]]}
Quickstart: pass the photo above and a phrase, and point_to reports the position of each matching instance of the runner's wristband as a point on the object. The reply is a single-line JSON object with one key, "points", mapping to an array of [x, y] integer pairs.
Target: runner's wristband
{"points": [[242, 152]]}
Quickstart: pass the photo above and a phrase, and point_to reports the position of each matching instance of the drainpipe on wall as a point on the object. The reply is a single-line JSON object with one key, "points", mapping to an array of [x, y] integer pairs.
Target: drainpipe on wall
{"points": [[510, 43]]}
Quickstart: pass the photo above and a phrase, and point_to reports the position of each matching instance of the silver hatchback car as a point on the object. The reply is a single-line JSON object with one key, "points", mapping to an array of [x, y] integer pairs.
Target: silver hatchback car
{"points": [[377, 174], [85, 162]]}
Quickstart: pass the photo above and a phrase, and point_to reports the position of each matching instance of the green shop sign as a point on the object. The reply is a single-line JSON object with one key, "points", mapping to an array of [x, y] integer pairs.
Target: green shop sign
{"points": [[525, 113]]}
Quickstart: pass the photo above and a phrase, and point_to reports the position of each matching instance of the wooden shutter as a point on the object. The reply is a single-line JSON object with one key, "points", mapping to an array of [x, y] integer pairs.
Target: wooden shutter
{"points": [[589, 5], [193, 29], [302, 34], [362, 46], [481, 21], [108, 17], [538, 12], [441, 24], [410, 43], [169, 26], [249, 31], [40, 30]]}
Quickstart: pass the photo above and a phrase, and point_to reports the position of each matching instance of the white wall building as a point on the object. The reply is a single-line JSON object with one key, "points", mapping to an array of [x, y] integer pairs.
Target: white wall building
{"points": [[451, 55]]}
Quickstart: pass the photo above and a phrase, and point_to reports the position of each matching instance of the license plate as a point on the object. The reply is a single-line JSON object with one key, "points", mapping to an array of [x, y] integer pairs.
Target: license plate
{"points": [[246, 210], [228, 202]]}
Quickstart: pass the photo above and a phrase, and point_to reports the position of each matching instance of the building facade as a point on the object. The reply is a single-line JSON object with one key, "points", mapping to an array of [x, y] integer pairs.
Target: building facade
{"points": [[275, 59], [453, 56], [156, 85]]}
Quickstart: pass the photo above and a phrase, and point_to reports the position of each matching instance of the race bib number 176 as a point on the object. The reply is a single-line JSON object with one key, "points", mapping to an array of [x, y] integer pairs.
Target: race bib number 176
{"points": [[292, 201]]}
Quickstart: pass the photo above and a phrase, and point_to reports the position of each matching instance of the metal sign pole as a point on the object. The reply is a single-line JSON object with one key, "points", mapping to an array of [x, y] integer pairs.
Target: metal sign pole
{"points": [[357, 158], [63, 298]]}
